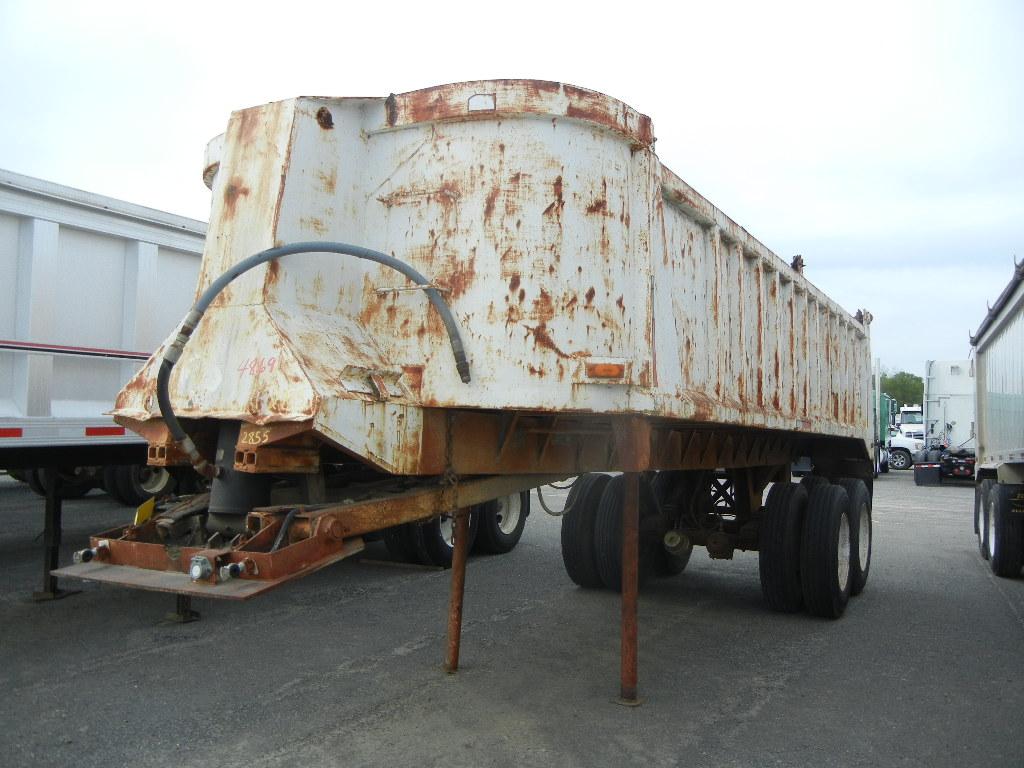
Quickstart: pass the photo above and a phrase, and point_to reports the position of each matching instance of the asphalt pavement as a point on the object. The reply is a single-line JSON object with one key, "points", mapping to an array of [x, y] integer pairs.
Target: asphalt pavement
{"points": [[926, 668]]}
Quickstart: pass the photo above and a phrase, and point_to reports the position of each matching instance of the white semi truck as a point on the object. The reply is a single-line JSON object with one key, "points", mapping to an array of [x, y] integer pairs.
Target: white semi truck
{"points": [[999, 487]]}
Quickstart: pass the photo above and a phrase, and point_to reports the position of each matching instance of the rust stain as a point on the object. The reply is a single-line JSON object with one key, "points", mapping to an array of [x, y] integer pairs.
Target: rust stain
{"points": [[329, 181], [543, 307], [413, 375], [590, 295], [235, 189], [522, 295], [461, 277], [555, 209], [324, 118], [542, 338], [249, 122], [492, 198], [620, 304], [513, 284], [313, 223]]}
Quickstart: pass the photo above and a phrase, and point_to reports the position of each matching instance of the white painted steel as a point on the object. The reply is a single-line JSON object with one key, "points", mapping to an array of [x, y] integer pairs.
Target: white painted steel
{"points": [[561, 240], [88, 288], [949, 412], [1000, 384]]}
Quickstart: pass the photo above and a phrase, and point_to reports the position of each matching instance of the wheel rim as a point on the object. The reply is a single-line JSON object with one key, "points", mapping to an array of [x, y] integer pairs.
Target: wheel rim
{"points": [[843, 556], [991, 531], [447, 527], [153, 479], [509, 511], [864, 541], [898, 460]]}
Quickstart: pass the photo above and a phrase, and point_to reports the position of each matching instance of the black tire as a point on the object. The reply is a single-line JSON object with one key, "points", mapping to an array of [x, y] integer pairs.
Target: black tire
{"points": [[810, 482], [608, 534], [779, 550], [394, 540], [137, 482], [1006, 529], [825, 580], [501, 523], [860, 528], [578, 554], [72, 483], [110, 485], [414, 543], [439, 537], [899, 458]]}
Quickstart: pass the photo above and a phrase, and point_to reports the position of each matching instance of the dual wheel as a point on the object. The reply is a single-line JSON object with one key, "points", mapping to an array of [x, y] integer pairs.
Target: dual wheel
{"points": [[815, 545], [494, 528], [592, 533], [999, 525]]}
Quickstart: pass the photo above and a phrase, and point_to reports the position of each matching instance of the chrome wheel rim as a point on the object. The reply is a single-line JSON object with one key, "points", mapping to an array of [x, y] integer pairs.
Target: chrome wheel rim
{"points": [[447, 527], [843, 556], [153, 479], [864, 542], [991, 531], [507, 515]]}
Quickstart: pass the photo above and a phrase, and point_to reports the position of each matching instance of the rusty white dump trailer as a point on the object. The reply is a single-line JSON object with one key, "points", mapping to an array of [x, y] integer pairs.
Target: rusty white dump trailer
{"points": [[999, 481], [416, 304]]}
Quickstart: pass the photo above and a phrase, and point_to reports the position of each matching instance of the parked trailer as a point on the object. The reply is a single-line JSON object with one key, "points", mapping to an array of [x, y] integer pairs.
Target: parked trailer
{"points": [[468, 291], [88, 287], [999, 471]]}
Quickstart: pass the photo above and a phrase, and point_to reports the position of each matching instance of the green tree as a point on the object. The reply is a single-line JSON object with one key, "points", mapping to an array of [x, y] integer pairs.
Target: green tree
{"points": [[906, 388]]}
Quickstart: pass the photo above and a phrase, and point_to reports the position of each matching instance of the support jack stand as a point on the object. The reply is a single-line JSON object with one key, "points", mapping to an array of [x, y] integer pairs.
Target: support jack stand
{"points": [[183, 613]]}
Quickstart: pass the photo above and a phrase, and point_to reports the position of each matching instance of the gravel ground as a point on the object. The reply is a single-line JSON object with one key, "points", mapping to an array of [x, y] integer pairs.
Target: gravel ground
{"points": [[343, 668]]}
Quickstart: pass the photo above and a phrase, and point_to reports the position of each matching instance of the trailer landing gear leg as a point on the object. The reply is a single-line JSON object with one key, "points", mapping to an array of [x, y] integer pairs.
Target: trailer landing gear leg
{"points": [[183, 612], [630, 586], [51, 541], [451, 662]]}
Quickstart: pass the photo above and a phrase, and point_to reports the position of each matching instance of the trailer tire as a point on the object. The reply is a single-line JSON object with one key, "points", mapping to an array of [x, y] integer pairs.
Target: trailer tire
{"points": [[415, 543], [137, 482], [810, 482], [439, 537], [899, 458], [825, 552], [578, 524], [71, 484], [860, 529], [608, 533], [394, 540], [1005, 530], [500, 523], [779, 550]]}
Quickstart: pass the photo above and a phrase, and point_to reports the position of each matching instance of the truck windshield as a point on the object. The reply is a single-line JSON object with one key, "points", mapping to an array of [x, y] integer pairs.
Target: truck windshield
{"points": [[912, 418]]}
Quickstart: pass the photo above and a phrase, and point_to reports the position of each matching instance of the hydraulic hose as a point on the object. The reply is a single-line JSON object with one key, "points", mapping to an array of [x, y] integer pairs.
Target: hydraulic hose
{"points": [[188, 325]]}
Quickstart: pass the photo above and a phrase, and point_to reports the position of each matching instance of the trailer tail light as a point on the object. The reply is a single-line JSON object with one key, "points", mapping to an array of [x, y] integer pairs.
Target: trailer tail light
{"points": [[10, 432], [605, 369], [104, 431]]}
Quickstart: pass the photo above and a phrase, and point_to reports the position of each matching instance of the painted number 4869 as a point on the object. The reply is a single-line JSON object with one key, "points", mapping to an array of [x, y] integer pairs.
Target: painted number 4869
{"points": [[254, 366]]}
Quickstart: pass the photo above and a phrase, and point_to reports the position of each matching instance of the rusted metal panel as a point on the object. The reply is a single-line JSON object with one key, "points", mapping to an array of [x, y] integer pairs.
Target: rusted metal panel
{"points": [[561, 243]]}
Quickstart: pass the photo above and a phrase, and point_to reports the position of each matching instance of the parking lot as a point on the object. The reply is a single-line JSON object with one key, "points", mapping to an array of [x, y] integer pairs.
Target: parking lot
{"points": [[344, 667]]}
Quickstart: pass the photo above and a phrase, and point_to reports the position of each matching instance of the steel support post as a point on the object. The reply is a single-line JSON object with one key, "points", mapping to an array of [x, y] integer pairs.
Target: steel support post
{"points": [[630, 587], [52, 526], [451, 662]]}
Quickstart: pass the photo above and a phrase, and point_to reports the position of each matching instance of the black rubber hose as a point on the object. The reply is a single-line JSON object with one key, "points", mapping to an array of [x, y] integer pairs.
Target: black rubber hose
{"points": [[173, 352], [285, 526]]}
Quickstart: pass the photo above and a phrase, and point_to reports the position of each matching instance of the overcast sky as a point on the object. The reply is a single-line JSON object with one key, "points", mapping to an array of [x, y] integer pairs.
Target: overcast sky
{"points": [[881, 140]]}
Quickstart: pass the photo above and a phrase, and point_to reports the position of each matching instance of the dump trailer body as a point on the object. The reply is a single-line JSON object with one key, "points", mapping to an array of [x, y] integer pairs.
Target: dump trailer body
{"points": [[586, 277], [999, 346], [88, 287], [999, 482]]}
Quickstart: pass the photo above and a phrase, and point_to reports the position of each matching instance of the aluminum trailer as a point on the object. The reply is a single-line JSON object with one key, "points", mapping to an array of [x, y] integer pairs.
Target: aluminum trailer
{"points": [[88, 287], [999, 471], [472, 290]]}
